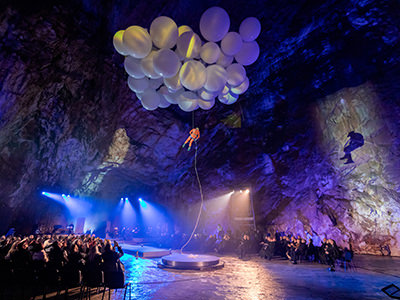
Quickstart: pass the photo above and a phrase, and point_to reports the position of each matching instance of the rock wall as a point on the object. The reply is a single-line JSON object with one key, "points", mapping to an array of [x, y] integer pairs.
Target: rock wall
{"points": [[69, 123], [357, 203]]}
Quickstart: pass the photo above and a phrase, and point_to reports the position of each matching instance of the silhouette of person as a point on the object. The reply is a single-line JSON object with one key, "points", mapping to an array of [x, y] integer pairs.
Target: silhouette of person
{"points": [[356, 141]]}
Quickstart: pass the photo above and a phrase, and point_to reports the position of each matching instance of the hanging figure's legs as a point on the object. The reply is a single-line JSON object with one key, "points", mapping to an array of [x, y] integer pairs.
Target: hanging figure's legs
{"points": [[349, 159], [190, 144], [347, 150], [187, 140]]}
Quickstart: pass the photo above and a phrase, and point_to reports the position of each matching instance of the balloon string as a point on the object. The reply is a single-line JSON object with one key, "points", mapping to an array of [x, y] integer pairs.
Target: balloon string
{"points": [[201, 193], [202, 200]]}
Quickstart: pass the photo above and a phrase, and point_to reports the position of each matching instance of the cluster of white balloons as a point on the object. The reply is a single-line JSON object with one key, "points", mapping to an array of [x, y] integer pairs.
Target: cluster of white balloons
{"points": [[172, 65]]}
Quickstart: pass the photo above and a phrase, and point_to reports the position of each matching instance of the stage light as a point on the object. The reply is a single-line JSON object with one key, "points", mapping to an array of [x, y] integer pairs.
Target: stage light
{"points": [[126, 199], [241, 191], [63, 195], [43, 193], [247, 191], [143, 204], [122, 199], [68, 196]]}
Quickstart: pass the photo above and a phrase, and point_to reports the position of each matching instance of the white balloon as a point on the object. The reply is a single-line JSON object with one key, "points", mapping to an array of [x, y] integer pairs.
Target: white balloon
{"points": [[225, 90], [236, 74], [137, 41], [138, 85], [173, 83], [150, 99], [206, 105], [119, 44], [228, 99], [163, 102], [132, 67], [183, 28], [166, 63], [147, 65], [189, 44], [224, 60], [139, 95], [155, 83], [215, 78], [249, 29], [193, 75], [188, 101], [248, 54], [170, 97], [231, 43], [206, 95], [181, 57], [164, 32], [214, 24], [210, 52], [242, 87]]}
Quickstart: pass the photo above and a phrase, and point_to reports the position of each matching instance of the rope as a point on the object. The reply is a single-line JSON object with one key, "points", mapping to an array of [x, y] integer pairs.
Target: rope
{"points": [[201, 193]]}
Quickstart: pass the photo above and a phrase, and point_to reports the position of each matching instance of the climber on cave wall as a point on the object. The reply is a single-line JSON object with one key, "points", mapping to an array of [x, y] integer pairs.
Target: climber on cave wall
{"points": [[194, 135], [356, 141]]}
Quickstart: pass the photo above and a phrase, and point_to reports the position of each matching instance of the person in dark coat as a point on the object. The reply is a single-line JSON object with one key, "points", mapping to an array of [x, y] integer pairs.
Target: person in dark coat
{"points": [[270, 249], [311, 252], [244, 246], [111, 257]]}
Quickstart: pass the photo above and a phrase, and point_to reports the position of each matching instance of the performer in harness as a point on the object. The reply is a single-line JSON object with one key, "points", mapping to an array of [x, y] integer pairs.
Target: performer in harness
{"points": [[194, 135]]}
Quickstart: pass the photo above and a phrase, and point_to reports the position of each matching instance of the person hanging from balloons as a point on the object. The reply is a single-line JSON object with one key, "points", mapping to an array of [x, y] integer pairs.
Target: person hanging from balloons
{"points": [[194, 135]]}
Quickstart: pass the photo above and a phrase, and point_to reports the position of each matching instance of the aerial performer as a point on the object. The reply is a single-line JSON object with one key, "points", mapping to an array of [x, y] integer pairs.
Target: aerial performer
{"points": [[356, 141], [194, 135], [196, 74]]}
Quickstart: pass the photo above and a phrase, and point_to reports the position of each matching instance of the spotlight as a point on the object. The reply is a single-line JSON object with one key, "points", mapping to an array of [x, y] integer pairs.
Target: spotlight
{"points": [[122, 199], [126, 199], [68, 196], [140, 199], [241, 191], [63, 195], [43, 193], [247, 191]]}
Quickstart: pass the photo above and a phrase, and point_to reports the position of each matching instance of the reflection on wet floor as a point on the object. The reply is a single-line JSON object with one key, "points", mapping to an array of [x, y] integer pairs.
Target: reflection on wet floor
{"points": [[255, 278]]}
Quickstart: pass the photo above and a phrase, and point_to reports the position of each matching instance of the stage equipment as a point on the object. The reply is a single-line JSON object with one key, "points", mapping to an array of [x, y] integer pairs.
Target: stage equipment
{"points": [[241, 210], [392, 291], [190, 262]]}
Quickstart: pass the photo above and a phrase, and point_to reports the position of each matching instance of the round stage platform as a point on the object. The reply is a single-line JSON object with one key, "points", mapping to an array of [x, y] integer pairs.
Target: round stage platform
{"points": [[190, 262]]}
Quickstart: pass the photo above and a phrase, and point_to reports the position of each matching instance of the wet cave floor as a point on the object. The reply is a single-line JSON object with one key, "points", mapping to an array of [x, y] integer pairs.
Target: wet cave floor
{"points": [[254, 278]]}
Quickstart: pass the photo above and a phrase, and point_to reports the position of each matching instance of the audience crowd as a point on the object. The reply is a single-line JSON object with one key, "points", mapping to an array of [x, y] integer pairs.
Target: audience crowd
{"points": [[279, 245], [54, 260], [47, 260]]}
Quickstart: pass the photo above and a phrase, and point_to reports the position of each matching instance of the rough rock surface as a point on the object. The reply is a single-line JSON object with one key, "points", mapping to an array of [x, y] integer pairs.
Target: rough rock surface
{"points": [[68, 121]]}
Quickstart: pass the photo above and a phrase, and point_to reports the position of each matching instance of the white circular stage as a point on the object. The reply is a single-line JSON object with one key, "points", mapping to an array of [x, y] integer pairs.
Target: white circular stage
{"points": [[190, 262]]}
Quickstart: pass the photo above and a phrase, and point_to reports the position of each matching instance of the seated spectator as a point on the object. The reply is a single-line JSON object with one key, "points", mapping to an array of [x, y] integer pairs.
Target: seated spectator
{"points": [[244, 246]]}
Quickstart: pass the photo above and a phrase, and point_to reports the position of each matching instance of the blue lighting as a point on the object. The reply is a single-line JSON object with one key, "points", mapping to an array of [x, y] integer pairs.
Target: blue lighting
{"points": [[126, 199], [143, 204], [63, 195]]}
